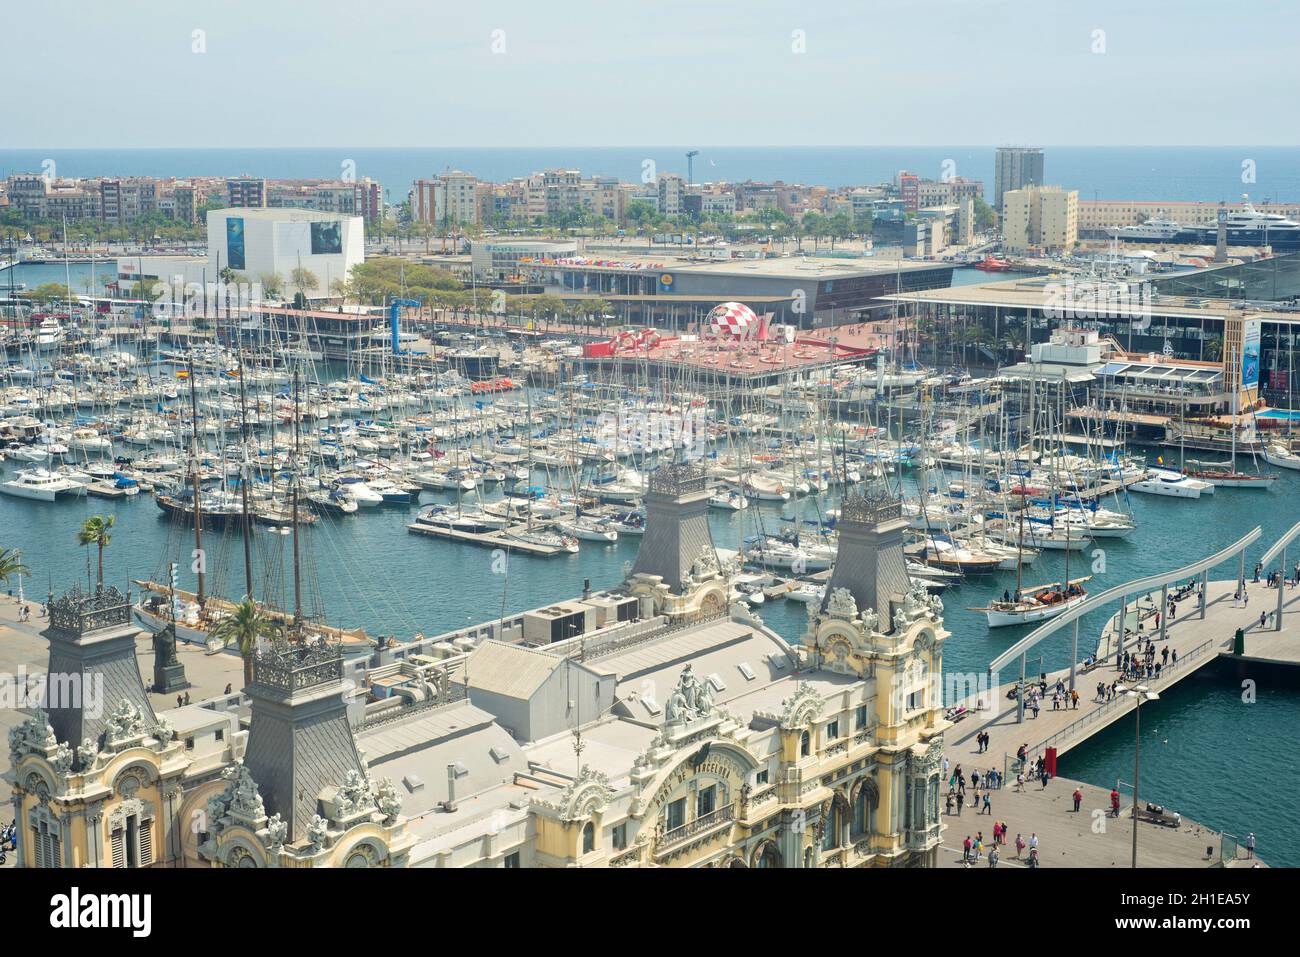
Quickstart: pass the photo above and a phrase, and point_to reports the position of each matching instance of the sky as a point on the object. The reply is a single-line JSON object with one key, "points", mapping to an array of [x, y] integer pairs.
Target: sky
{"points": [[270, 73]]}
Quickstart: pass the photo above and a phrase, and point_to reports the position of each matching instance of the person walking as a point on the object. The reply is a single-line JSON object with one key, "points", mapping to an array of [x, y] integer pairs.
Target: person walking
{"points": [[993, 856], [1020, 781], [1078, 799], [1020, 846], [988, 808], [1114, 803]]}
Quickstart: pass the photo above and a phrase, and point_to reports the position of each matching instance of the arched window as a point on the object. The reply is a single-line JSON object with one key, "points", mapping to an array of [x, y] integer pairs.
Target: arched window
{"points": [[805, 745], [588, 838], [831, 828]]}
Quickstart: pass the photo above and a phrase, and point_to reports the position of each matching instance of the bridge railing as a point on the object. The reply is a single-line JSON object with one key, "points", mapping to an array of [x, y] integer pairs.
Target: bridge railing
{"points": [[1093, 717]]}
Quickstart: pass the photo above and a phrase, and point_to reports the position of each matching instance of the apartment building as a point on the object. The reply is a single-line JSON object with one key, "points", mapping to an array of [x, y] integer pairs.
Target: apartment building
{"points": [[1015, 167], [1043, 217], [246, 192]]}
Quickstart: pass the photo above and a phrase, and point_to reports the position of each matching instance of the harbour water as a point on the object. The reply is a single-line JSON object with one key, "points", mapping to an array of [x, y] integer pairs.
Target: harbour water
{"points": [[1193, 173], [366, 570]]}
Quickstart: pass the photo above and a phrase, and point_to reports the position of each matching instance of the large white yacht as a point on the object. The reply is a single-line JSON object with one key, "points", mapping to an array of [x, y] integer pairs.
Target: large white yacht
{"points": [[1153, 230], [1249, 227], [49, 335], [42, 485]]}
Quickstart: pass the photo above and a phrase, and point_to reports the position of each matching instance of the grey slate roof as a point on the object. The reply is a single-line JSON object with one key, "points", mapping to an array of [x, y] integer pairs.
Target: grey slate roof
{"points": [[297, 746], [870, 562], [103, 665], [676, 531]]}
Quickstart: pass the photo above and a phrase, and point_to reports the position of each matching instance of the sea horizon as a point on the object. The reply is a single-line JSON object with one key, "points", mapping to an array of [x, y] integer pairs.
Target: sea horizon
{"points": [[1168, 173]]}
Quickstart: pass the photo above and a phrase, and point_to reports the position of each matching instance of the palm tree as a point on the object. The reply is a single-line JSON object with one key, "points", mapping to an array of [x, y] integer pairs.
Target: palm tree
{"points": [[243, 627], [96, 531], [11, 563]]}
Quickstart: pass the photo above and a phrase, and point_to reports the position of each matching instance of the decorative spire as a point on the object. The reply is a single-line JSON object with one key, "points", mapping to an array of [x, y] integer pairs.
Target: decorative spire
{"points": [[676, 525], [869, 567]]}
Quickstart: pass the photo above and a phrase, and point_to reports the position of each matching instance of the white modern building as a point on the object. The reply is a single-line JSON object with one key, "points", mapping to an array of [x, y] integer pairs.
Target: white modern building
{"points": [[263, 242]]}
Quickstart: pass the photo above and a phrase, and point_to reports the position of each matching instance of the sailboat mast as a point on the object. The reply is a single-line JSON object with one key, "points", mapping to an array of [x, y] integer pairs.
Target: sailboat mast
{"points": [[245, 475], [297, 570], [194, 479]]}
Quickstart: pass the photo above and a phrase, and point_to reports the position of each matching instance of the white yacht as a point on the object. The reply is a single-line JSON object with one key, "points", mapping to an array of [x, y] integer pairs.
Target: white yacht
{"points": [[49, 335], [1171, 484], [1281, 457], [588, 529], [1154, 230], [41, 485]]}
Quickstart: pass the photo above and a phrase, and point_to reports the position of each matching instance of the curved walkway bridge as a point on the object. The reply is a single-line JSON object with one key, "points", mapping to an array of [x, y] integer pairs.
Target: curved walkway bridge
{"points": [[1202, 629]]}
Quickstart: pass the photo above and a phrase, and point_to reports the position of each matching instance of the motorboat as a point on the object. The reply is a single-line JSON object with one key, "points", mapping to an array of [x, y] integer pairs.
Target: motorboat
{"points": [[42, 485], [1171, 484], [359, 491]]}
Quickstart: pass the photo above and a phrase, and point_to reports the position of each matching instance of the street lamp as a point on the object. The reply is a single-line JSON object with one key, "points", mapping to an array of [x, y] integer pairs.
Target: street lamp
{"points": [[1140, 693]]}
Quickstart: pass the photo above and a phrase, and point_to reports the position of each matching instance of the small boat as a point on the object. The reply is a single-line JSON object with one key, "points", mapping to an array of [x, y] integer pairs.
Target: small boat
{"points": [[806, 593], [42, 485], [1035, 604], [1171, 484], [950, 557], [1223, 475], [357, 489], [588, 529], [730, 500], [1279, 456], [332, 500]]}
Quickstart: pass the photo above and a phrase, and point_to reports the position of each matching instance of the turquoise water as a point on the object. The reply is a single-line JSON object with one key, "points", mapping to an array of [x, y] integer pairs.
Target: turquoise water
{"points": [[1223, 762]]}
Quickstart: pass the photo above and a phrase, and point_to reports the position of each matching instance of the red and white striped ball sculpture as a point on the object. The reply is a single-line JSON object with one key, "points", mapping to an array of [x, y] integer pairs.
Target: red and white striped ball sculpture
{"points": [[731, 320]]}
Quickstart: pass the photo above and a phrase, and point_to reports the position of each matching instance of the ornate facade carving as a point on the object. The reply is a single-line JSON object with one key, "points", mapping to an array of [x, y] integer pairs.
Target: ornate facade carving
{"points": [[802, 708], [389, 801], [125, 722], [690, 700], [33, 735], [586, 795]]}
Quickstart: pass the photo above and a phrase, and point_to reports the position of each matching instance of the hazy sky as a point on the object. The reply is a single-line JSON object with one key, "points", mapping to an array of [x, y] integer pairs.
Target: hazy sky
{"points": [[123, 73]]}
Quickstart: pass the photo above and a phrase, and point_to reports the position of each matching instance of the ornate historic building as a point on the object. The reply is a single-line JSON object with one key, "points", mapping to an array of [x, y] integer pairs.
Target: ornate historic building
{"points": [[687, 735], [100, 781]]}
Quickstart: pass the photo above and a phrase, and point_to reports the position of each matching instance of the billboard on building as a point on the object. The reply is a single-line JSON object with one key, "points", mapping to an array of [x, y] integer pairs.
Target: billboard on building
{"points": [[235, 242], [1250, 329], [326, 237]]}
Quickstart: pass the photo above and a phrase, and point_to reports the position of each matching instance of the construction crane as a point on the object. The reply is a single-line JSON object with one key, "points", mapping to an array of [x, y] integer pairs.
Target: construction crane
{"points": [[690, 166]]}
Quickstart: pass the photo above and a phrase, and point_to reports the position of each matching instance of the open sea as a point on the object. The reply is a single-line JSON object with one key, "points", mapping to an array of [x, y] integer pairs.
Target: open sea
{"points": [[1136, 172]]}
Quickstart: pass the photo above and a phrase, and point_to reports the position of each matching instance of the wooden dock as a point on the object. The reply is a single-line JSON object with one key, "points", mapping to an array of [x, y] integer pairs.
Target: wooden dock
{"points": [[498, 538]]}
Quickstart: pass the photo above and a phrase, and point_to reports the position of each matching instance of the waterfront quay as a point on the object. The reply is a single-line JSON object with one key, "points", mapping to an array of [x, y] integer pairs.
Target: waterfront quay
{"points": [[1204, 629]]}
